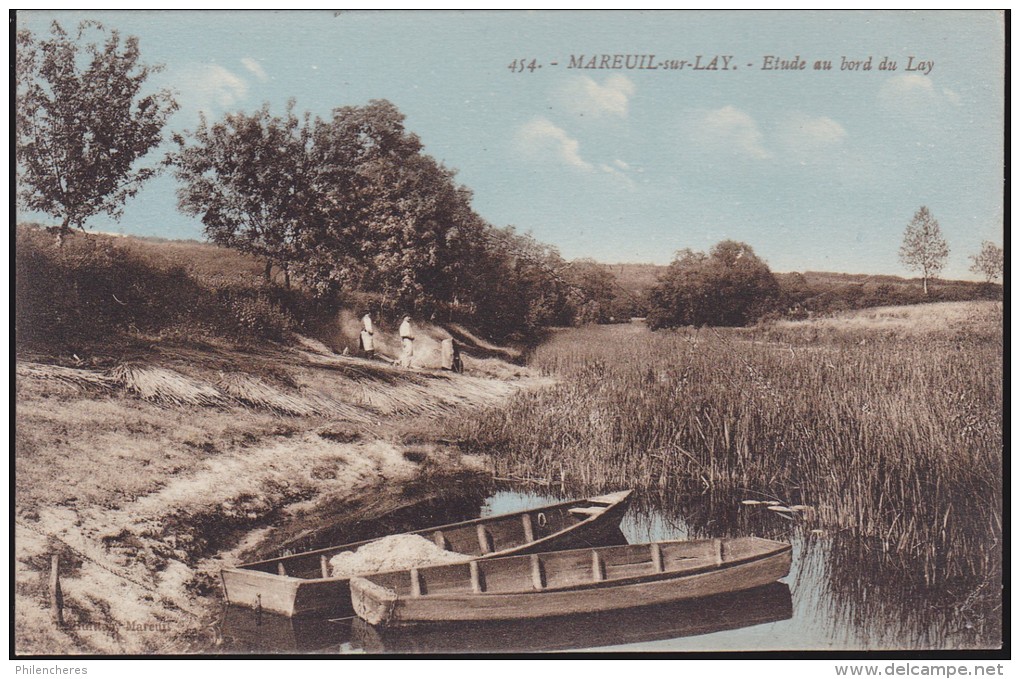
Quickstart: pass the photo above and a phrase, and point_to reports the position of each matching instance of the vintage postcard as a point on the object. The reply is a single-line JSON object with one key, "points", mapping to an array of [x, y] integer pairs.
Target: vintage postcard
{"points": [[518, 332]]}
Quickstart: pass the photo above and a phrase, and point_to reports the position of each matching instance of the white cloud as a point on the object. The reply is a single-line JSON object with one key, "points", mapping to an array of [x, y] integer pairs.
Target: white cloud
{"points": [[907, 93], [540, 138], [905, 85], [803, 136], [798, 137], [211, 87], [584, 96], [617, 173], [255, 68], [730, 130]]}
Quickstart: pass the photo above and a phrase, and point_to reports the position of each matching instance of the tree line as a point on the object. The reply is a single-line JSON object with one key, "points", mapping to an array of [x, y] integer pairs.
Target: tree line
{"points": [[343, 204], [350, 203], [732, 286]]}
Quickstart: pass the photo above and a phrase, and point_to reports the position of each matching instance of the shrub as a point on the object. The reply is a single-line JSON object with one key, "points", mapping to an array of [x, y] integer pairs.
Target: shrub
{"points": [[730, 286], [90, 291], [257, 316]]}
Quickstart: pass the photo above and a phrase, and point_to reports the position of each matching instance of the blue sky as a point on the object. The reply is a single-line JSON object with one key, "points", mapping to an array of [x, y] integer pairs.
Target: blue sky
{"points": [[817, 170]]}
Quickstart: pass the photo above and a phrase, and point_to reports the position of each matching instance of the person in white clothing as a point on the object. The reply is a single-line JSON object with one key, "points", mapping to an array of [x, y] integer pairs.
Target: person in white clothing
{"points": [[367, 336], [406, 342]]}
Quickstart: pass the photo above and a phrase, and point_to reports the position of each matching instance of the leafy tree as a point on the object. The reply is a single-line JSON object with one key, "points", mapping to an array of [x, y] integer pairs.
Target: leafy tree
{"points": [[517, 284], [387, 216], [348, 151], [594, 294], [924, 249], [247, 178], [83, 122], [989, 262], [730, 286], [418, 223]]}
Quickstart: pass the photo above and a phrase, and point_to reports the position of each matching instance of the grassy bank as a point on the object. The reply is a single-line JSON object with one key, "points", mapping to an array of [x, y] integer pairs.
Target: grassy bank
{"points": [[145, 473], [888, 424]]}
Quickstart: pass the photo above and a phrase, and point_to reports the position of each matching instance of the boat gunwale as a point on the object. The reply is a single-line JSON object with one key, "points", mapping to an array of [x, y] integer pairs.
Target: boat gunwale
{"points": [[621, 497], [783, 548]]}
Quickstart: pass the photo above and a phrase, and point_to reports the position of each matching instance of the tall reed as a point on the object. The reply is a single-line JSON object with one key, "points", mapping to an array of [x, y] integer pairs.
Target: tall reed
{"points": [[895, 437]]}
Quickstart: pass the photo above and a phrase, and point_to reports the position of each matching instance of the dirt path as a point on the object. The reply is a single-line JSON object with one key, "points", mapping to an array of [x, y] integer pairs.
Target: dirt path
{"points": [[146, 478]]}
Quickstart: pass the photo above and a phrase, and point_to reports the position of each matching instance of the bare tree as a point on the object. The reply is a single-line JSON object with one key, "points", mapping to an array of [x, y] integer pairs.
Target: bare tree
{"points": [[83, 122], [924, 249], [988, 262]]}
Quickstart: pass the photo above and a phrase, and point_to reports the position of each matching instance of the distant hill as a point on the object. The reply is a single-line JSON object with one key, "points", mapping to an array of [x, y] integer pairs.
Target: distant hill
{"points": [[829, 278], [822, 292], [638, 278]]}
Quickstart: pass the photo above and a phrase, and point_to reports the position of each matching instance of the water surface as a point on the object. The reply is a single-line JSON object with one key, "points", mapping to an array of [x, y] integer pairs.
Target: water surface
{"points": [[839, 595]]}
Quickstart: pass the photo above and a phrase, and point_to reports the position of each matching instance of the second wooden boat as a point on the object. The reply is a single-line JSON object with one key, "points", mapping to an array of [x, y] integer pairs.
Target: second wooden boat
{"points": [[570, 582], [301, 584], [623, 630]]}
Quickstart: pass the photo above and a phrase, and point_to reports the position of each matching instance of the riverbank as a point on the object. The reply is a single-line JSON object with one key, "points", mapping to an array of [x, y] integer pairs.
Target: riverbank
{"points": [[886, 424], [146, 474]]}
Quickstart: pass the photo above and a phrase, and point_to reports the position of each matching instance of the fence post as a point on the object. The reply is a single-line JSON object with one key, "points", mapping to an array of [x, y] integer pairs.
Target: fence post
{"points": [[56, 596]]}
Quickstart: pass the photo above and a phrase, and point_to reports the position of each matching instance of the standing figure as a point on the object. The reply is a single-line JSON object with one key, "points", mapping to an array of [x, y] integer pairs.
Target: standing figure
{"points": [[450, 356], [367, 336], [406, 342]]}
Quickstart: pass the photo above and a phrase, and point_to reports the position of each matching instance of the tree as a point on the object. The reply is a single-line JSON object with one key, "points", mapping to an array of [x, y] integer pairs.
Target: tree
{"points": [[83, 122], [594, 293], [516, 284], [348, 203], [248, 179], [350, 152], [924, 249], [730, 286], [988, 262], [387, 216]]}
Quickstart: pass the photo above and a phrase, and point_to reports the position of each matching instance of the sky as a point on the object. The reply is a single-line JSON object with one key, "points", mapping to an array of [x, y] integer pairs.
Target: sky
{"points": [[818, 170]]}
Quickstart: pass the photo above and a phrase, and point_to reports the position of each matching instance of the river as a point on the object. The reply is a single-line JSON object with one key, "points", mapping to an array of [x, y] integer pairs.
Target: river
{"points": [[840, 595]]}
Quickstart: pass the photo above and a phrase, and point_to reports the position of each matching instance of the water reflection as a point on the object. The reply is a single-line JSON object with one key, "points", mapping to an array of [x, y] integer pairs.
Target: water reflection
{"points": [[848, 593], [244, 631], [841, 594]]}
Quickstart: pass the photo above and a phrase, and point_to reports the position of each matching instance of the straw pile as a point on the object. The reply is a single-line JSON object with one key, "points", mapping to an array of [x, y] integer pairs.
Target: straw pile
{"points": [[253, 392], [167, 387], [391, 553], [73, 377]]}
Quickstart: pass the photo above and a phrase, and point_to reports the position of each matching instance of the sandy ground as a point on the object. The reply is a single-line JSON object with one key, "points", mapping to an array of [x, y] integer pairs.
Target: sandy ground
{"points": [[145, 478]]}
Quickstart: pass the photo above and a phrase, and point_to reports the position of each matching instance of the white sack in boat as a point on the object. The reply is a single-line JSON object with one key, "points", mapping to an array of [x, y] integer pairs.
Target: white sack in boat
{"points": [[391, 553]]}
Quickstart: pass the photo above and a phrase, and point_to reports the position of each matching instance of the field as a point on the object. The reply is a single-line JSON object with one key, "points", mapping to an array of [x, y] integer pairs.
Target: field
{"points": [[886, 423]]}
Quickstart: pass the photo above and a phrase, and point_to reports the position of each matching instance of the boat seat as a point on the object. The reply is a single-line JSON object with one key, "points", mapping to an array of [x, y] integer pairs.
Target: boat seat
{"points": [[587, 511]]}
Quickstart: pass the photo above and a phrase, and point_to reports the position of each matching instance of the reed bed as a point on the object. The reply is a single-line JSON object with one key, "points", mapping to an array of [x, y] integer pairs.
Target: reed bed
{"points": [[896, 438]]}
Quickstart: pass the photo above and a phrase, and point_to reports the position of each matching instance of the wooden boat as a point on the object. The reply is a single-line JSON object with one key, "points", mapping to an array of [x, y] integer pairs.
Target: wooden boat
{"points": [[569, 582], [640, 629], [300, 584], [245, 631]]}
